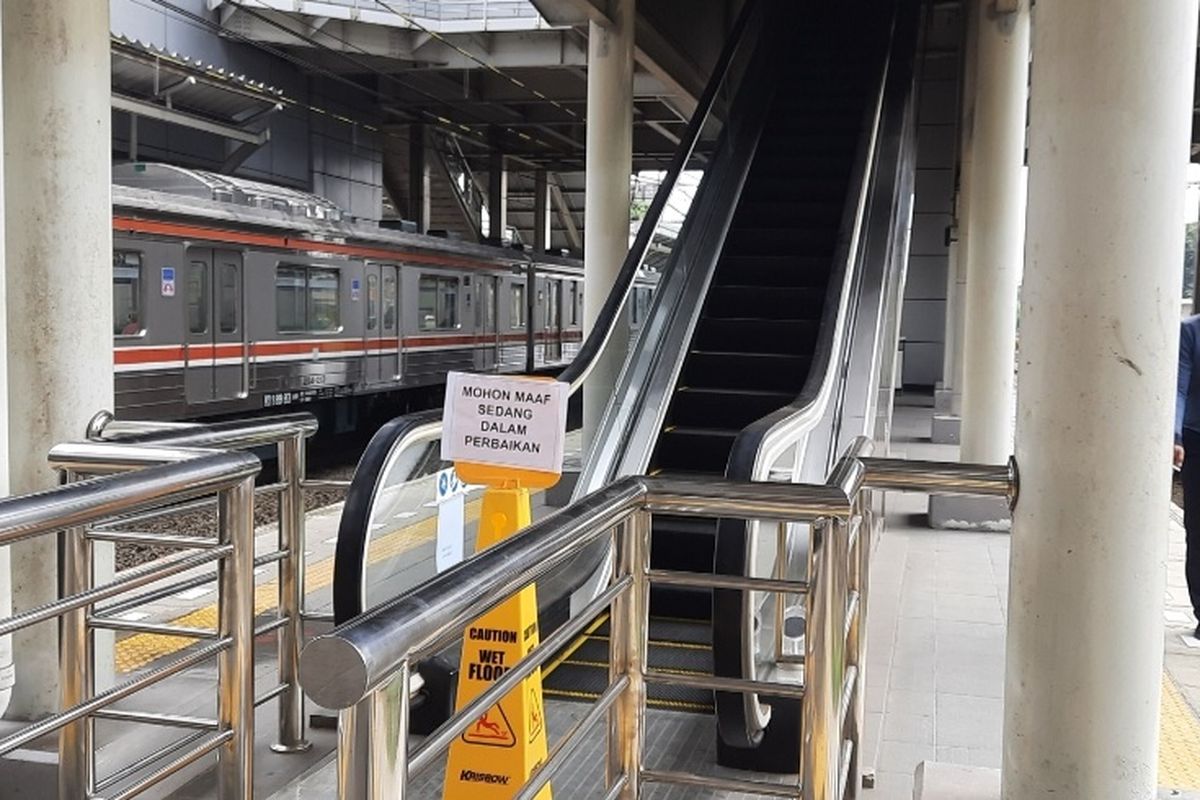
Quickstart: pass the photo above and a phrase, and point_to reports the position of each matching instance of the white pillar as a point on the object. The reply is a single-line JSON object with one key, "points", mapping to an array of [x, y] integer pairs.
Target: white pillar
{"points": [[956, 267], [7, 672], [541, 211], [609, 166], [57, 151], [995, 223], [1111, 119]]}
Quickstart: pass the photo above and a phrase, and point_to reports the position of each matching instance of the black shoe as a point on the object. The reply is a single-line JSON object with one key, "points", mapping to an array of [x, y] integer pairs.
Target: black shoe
{"points": [[1197, 633]]}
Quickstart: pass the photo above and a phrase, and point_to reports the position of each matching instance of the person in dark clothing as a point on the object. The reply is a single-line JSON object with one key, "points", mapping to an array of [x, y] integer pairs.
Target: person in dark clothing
{"points": [[1187, 450]]}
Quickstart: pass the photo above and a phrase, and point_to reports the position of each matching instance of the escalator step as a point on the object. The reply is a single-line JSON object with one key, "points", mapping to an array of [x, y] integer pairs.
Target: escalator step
{"points": [[694, 448], [753, 302], [796, 213], [772, 336], [737, 407], [771, 271], [768, 241], [725, 370]]}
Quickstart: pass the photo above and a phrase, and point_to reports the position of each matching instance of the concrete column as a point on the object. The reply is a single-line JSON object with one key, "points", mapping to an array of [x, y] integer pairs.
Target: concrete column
{"points": [[609, 166], [947, 419], [57, 141], [418, 177], [995, 207], [7, 672], [1111, 120], [541, 211], [497, 196]]}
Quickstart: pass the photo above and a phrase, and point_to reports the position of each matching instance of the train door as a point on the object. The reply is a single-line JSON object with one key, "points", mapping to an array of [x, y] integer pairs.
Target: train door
{"points": [[382, 327], [215, 356], [554, 320], [487, 313]]}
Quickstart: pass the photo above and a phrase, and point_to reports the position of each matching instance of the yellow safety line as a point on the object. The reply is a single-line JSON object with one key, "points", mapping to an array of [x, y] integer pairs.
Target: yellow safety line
{"points": [[671, 670], [141, 649], [570, 649], [677, 705], [660, 643], [1179, 740]]}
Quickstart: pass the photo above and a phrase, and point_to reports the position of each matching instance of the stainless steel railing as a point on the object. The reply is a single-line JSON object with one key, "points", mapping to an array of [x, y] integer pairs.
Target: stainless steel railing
{"points": [[71, 509], [364, 667], [115, 446]]}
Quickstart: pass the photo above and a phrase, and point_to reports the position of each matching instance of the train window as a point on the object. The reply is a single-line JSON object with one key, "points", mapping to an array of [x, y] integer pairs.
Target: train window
{"points": [[372, 301], [519, 306], [437, 303], [197, 297], [127, 293], [229, 297], [573, 304], [389, 298], [307, 299], [324, 313]]}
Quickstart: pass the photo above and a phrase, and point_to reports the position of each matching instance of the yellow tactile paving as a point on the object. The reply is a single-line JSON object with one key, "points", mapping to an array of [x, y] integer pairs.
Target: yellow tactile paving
{"points": [[140, 649], [1179, 741]]}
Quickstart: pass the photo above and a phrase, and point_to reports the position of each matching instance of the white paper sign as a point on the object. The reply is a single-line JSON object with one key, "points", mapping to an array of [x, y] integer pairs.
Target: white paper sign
{"points": [[451, 510], [510, 422]]}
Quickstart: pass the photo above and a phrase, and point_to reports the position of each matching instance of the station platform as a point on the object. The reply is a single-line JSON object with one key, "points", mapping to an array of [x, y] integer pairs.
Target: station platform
{"points": [[935, 677]]}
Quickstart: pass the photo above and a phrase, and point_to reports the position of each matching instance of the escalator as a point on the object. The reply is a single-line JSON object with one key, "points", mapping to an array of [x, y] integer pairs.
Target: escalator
{"points": [[782, 282], [760, 349]]}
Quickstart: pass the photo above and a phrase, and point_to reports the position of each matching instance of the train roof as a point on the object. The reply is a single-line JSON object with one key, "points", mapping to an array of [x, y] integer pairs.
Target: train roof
{"points": [[164, 190]]}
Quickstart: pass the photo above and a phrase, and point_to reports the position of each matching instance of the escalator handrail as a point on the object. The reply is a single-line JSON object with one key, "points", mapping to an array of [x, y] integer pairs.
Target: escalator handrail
{"points": [[610, 313], [353, 536]]}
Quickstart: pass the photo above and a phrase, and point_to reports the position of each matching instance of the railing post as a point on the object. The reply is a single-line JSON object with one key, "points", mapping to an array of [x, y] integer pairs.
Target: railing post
{"points": [[235, 665], [389, 737], [76, 744], [856, 643], [353, 751], [822, 735], [291, 595], [627, 655]]}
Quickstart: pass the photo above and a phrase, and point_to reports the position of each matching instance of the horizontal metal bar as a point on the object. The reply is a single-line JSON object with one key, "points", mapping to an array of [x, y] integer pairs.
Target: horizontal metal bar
{"points": [[269, 488], [93, 458], [316, 616], [325, 484], [664, 577], [155, 539], [844, 777], [720, 684], [270, 558], [788, 502], [130, 770], [441, 738], [849, 684], [188, 758], [713, 783], [153, 628], [233, 435], [42, 727], [105, 426], [154, 718], [569, 743], [270, 694], [154, 594], [130, 579], [273, 625], [936, 477], [144, 108], [203, 504], [851, 613], [79, 504], [618, 787]]}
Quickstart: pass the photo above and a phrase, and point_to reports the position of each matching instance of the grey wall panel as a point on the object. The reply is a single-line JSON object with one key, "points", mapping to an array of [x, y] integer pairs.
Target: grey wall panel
{"points": [[929, 234], [922, 363], [926, 278], [934, 190], [925, 322], [938, 147]]}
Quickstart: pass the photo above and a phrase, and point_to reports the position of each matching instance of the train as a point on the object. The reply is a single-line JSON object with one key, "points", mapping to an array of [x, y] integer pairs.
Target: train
{"points": [[231, 296]]}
